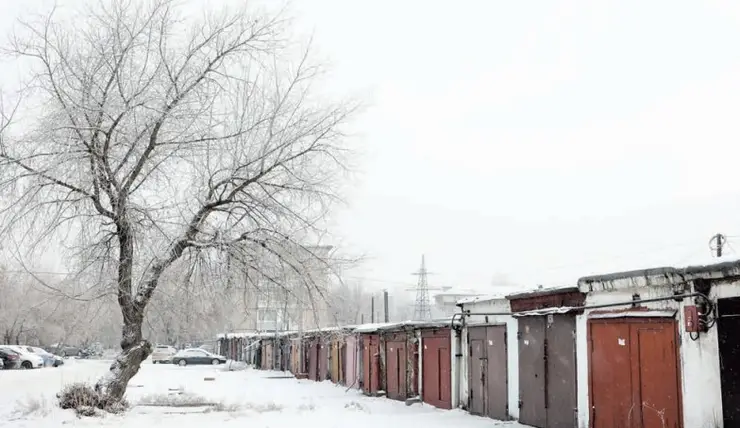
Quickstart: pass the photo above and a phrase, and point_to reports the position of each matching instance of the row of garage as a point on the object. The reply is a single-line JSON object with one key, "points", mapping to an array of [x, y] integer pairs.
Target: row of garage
{"points": [[402, 361], [642, 349]]}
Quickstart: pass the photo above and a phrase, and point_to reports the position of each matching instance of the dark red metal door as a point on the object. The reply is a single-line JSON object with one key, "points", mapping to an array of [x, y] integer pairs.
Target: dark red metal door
{"points": [[445, 373], [497, 389], [402, 361], [374, 363], [370, 363], [532, 374], [392, 371], [609, 374], [633, 373], [313, 360], [366, 363], [561, 396], [436, 388], [323, 360], [657, 373]]}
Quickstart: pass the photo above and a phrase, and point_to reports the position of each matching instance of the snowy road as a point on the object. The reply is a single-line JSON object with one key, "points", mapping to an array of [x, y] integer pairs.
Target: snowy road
{"points": [[235, 398]]}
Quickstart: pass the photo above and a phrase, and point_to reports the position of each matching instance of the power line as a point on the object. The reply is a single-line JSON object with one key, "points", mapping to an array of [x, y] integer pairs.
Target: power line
{"points": [[726, 242], [583, 263]]}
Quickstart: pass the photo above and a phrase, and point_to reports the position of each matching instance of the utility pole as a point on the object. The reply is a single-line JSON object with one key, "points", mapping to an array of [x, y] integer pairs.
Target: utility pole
{"points": [[716, 243], [372, 310], [385, 305]]}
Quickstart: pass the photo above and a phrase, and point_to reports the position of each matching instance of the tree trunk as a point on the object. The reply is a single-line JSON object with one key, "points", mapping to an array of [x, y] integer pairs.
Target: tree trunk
{"points": [[112, 387], [134, 349]]}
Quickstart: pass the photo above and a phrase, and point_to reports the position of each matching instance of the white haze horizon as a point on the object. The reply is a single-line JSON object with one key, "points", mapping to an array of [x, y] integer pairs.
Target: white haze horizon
{"points": [[534, 145]]}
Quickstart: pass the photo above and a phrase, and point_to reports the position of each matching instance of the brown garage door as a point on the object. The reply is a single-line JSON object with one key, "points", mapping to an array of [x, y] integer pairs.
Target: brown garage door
{"points": [[487, 375], [396, 363], [561, 396], [323, 359], [633, 374], [370, 363], [547, 371], [313, 360], [437, 370], [532, 371]]}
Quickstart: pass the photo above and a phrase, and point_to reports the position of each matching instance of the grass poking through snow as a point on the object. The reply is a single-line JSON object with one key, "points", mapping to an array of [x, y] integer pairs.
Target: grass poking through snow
{"points": [[31, 406]]}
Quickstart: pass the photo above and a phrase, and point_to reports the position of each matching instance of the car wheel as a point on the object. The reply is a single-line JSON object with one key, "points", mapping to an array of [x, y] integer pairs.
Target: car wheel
{"points": [[26, 365], [215, 362], [154, 361], [182, 363]]}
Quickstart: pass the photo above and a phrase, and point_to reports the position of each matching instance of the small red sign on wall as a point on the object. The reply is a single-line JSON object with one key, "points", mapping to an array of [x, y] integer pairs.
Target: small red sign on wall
{"points": [[691, 319]]}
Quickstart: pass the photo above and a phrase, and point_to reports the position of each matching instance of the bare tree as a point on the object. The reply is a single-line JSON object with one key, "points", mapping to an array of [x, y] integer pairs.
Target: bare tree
{"points": [[145, 136]]}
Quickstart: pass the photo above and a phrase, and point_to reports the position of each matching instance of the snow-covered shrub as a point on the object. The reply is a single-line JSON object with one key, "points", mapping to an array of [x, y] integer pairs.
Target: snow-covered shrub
{"points": [[85, 401]]}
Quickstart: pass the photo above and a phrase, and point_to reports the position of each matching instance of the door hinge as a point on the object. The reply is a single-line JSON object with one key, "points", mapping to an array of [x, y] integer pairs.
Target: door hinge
{"points": [[519, 335], [521, 403], [544, 350]]}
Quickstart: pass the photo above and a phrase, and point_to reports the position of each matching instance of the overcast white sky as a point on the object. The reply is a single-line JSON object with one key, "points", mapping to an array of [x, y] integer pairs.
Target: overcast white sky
{"points": [[540, 140]]}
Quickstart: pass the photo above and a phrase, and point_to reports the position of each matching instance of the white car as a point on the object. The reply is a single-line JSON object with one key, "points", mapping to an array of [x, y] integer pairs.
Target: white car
{"points": [[50, 359], [29, 360], [163, 354]]}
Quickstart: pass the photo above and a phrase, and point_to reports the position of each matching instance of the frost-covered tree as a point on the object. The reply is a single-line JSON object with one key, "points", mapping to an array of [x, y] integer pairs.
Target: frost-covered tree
{"points": [[146, 135]]}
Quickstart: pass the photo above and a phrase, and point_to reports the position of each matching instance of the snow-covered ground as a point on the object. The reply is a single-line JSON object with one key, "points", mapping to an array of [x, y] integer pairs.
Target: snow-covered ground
{"points": [[240, 398]]}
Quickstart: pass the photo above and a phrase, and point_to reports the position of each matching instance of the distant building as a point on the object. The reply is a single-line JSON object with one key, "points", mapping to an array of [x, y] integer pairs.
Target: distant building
{"points": [[444, 301]]}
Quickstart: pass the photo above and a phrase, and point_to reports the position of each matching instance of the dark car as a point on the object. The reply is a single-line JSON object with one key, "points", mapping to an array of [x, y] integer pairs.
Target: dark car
{"points": [[11, 359], [65, 351], [197, 356]]}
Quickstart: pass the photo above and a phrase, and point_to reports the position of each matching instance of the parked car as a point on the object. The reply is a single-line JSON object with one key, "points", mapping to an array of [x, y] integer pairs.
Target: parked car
{"points": [[50, 359], [29, 360], [197, 356], [163, 354], [65, 350], [10, 358], [2, 364]]}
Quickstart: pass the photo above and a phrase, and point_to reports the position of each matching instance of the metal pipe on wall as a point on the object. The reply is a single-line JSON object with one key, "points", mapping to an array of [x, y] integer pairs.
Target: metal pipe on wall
{"points": [[585, 307]]}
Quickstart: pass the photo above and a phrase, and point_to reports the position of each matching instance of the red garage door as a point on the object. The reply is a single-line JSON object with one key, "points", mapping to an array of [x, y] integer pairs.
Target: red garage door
{"points": [[436, 368], [633, 373]]}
